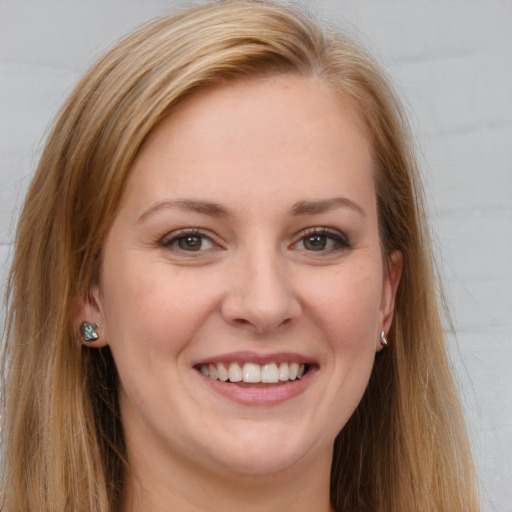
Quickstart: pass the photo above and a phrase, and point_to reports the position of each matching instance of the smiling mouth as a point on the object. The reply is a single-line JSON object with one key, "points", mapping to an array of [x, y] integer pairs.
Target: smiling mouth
{"points": [[253, 373]]}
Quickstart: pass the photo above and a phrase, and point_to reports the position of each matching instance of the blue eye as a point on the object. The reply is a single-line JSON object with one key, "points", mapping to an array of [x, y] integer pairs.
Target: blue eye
{"points": [[189, 241]]}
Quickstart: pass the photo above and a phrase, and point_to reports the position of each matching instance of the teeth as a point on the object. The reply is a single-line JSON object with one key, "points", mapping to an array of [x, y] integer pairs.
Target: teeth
{"points": [[212, 370], [253, 373], [269, 373], [223, 372], [235, 372], [284, 372]]}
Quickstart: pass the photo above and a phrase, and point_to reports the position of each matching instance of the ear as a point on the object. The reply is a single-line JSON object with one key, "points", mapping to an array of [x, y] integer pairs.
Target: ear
{"points": [[88, 310], [392, 275]]}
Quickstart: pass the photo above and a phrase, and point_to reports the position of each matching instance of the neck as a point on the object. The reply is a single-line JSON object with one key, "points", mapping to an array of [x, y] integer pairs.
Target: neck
{"points": [[156, 486]]}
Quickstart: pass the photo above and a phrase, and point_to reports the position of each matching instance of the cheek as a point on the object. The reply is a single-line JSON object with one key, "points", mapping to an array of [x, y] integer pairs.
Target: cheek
{"points": [[348, 315], [152, 306], [346, 304]]}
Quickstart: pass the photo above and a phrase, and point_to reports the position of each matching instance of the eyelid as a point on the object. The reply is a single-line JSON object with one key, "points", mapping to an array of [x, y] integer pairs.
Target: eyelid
{"points": [[170, 238], [333, 234]]}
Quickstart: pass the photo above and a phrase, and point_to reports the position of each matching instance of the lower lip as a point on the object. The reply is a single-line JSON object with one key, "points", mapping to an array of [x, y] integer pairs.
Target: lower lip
{"points": [[261, 396]]}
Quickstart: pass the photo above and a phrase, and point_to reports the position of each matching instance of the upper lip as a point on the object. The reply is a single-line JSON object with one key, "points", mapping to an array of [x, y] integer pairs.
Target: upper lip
{"points": [[258, 358]]}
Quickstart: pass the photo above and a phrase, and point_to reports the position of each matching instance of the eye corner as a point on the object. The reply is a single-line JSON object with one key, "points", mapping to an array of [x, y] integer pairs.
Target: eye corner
{"points": [[189, 242], [321, 240]]}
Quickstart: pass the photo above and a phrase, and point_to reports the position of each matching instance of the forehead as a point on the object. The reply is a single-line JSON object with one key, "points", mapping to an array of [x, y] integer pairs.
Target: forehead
{"points": [[277, 133]]}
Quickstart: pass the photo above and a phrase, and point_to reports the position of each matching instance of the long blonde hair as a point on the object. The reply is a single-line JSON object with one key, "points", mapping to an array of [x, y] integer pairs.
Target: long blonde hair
{"points": [[404, 449]]}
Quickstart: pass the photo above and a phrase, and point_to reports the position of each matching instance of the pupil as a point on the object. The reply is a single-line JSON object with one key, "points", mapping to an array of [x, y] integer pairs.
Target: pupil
{"points": [[315, 242], [190, 243]]}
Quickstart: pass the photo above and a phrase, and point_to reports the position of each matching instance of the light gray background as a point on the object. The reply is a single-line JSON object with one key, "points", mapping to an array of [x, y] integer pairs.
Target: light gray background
{"points": [[452, 61]]}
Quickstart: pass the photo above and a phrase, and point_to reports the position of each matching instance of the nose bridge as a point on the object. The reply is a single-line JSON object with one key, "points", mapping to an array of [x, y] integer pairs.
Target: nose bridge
{"points": [[260, 296]]}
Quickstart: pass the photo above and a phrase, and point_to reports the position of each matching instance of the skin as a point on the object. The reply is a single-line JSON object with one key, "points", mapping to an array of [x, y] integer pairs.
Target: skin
{"points": [[258, 150]]}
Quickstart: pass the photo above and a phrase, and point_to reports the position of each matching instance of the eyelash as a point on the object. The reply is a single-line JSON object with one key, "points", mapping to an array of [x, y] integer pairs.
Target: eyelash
{"points": [[170, 239], [340, 240]]}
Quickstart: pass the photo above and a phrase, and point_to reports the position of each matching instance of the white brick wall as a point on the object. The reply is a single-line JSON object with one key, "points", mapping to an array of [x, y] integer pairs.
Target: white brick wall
{"points": [[453, 63]]}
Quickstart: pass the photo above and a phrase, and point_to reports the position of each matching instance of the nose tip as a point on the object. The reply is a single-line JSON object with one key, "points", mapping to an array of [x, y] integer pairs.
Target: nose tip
{"points": [[263, 319], [261, 301]]}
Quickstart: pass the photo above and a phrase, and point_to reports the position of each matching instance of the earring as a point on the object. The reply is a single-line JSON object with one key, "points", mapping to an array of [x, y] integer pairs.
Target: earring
{"points": [[383, 340], [88, 331]]}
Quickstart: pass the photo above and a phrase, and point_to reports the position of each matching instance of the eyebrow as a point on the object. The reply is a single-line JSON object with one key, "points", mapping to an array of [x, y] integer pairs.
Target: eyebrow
{"points": [[191, 205], [324, 205], [216, 210]]}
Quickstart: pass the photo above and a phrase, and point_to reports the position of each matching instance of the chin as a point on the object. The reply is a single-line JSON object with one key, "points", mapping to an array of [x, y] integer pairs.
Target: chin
{"points": [[268, 451], [260, 463]]}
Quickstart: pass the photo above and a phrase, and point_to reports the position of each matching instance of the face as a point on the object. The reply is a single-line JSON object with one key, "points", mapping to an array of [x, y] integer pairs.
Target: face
{"points": [[242, 288]]}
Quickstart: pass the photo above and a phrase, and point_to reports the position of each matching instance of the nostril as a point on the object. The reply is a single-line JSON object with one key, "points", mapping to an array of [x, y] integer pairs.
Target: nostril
{"points": [[261, 309], [241, 322], [261, 327]]}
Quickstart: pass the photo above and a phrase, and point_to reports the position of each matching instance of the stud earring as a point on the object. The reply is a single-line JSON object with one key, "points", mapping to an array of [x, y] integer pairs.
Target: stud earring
{"points": [[383, 340], [88, 331]]}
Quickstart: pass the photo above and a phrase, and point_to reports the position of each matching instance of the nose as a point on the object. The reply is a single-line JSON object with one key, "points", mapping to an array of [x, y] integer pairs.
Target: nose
{"points": [[260, 295]]}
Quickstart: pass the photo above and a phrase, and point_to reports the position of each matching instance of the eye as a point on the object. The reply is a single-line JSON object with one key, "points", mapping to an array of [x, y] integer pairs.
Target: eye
{"points": [[322, 240], [315, 242], [188, 240]]}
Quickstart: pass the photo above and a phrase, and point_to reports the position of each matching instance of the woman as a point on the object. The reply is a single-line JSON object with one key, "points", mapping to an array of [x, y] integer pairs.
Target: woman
{"points": [[222, 293]]}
